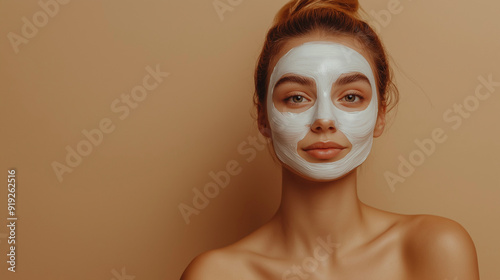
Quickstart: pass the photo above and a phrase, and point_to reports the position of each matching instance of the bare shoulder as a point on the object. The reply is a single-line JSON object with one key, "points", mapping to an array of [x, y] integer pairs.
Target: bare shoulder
{"points": [[216, 264], [428, 233], [245, 259], [439, 248]]}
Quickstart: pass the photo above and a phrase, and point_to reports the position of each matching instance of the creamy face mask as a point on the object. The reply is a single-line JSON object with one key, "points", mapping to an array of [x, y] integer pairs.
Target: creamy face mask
{"points": [[324, 62]]}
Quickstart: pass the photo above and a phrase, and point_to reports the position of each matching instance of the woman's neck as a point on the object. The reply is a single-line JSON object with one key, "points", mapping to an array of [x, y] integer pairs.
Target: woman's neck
{"points": [[319, 210]]}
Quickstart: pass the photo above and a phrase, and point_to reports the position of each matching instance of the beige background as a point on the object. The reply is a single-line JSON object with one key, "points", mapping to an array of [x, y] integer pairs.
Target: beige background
{"points": [[118, 209]]}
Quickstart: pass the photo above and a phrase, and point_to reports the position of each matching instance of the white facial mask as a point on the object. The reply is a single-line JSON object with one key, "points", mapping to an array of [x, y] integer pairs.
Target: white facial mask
{"points": [[324, 62]]}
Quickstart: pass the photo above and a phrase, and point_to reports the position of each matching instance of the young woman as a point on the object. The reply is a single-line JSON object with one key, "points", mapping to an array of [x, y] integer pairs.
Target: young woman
{"points": [[323, 87]]}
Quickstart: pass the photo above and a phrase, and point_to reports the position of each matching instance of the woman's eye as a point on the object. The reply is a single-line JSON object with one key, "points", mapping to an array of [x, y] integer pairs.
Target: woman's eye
{"points": [[296, 99], [351, 98]]}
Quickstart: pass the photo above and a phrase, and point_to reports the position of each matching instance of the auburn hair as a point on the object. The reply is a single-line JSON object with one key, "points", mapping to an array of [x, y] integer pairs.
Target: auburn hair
{"points": [[301, 17]]}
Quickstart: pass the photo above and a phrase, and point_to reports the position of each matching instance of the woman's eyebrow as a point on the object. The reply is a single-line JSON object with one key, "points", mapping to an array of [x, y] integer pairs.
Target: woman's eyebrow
{"points": [[351, 78], [295, 79]]}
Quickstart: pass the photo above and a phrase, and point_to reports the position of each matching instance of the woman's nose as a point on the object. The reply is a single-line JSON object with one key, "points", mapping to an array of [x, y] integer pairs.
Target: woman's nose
{"points": [[323, 125]]}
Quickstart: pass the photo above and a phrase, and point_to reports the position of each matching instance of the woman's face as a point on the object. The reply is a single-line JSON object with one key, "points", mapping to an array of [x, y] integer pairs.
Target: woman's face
{"points": [[322, 106]]}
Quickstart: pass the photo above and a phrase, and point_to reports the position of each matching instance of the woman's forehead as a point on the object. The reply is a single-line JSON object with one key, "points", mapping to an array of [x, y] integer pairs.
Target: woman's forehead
{"points": [[325, 62], [347, 41]]}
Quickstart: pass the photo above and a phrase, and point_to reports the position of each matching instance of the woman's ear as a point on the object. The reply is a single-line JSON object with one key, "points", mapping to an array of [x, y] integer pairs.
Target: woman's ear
{"points": [[263, 122], [380, 124]]}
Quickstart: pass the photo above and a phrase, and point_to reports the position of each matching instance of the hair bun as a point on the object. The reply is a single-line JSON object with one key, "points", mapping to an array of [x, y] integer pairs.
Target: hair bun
{"points": [[294, 6]]}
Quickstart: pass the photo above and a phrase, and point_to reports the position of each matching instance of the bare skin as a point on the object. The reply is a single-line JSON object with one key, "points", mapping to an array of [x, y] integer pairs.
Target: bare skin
{"points": [[323, 231]]}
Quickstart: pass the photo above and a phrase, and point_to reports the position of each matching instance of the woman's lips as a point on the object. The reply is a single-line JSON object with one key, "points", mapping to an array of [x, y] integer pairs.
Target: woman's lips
{"points": [[324, 150]]}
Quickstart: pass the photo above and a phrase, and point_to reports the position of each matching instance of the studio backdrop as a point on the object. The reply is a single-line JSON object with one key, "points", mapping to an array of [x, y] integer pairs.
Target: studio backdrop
{"points": [[129, 137]]}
